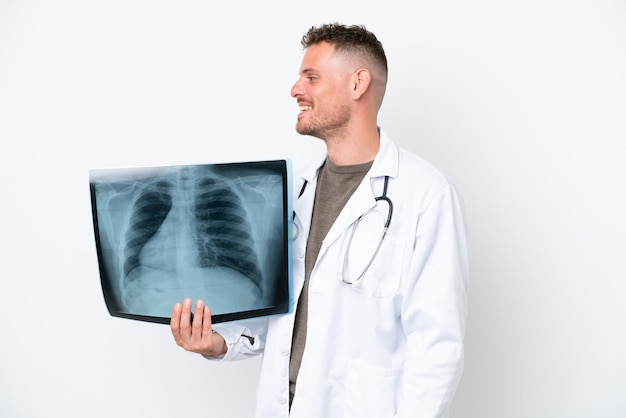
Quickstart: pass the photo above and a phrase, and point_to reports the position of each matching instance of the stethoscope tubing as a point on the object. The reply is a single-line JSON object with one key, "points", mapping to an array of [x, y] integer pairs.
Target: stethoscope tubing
{"points": [[296, 229]]}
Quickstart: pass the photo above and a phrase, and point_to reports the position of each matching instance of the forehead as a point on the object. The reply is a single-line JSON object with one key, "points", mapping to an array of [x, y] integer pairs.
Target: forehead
{"points": [[319, 57]]}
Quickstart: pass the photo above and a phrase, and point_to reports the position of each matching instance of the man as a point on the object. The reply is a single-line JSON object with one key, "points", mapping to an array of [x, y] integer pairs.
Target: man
{"points": [[381, 314]]}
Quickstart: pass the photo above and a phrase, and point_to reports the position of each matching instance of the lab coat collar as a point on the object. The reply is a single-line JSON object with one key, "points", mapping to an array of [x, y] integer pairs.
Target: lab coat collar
{"points": [[364, 197], [385, 162]]}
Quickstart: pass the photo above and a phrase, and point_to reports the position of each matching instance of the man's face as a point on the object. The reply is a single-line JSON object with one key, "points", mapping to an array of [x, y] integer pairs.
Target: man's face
{"points": [[322, 91]]}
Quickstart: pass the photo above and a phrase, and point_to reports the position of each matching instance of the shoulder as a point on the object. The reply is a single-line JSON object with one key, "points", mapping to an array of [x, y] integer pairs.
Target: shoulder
{"points": [[411, 169], [416, 180], [420, 169]]}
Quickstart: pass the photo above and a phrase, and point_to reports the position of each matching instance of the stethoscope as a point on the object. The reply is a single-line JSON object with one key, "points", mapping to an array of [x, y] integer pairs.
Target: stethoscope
{"points": [[383, 197]]}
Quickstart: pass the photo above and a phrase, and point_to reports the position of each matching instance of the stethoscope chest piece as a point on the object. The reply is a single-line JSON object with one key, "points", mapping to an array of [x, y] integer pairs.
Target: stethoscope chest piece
{"points": [[295, 229]]}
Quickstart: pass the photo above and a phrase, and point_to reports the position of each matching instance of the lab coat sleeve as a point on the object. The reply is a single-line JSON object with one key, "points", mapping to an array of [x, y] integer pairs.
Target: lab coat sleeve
{"points": [[244, 339], [434, 309]]}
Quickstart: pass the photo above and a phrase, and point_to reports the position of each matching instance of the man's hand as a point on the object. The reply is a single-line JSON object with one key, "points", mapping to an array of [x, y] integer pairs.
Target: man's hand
{"points": [[196, 336]]}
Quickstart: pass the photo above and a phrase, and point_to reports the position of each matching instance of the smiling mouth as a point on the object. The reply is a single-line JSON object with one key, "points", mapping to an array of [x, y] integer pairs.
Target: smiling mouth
{"points": [[304, 108]]}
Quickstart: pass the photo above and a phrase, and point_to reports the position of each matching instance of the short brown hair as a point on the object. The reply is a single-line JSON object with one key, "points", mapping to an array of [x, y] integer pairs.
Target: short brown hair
{"points": [[354, 39]]}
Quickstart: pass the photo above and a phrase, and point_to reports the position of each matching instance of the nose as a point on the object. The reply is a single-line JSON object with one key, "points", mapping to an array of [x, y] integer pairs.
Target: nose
{"points": [[296, 90]]}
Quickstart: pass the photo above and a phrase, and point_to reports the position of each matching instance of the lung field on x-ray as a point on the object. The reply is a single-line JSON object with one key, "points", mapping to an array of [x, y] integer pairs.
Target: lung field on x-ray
{"points": [[205, 232], [147, 215], [223, 232]]}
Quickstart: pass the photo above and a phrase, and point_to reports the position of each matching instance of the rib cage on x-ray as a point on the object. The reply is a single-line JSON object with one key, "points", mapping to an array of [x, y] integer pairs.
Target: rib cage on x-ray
{"points": [[218, 221], [147, 215], [191, 229], [224, 235]]}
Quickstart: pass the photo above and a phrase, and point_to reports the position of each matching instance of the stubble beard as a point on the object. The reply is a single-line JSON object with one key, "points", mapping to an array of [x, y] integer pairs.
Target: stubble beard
{"points": [[332, 126]]}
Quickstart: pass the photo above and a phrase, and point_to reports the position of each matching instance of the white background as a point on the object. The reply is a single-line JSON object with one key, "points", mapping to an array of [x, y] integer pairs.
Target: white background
{"points": [[521, 103]]}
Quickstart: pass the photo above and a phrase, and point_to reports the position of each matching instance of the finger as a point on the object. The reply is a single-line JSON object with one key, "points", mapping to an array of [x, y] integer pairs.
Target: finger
{"points": [[198, 319], [207, 324], [175, 322], [185, 323]]}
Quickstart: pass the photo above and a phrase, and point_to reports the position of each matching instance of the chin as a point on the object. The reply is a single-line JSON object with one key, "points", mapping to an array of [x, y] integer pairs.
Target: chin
{"points": [[304, 130]]}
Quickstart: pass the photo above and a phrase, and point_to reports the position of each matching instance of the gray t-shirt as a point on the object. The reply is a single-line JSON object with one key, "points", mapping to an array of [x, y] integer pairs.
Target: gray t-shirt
{"points": [[335, 185]]}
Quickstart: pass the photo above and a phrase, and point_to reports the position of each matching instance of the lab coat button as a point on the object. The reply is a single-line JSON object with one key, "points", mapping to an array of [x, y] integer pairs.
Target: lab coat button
{"points": [[284, 352], [282, 401]]}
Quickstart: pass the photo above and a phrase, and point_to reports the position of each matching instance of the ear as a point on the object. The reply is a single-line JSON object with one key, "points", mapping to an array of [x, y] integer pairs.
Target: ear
{"points": [[361, 80]]}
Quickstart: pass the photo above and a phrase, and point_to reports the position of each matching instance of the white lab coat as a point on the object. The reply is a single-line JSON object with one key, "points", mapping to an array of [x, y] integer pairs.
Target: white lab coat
{"points": [[392, 344]]}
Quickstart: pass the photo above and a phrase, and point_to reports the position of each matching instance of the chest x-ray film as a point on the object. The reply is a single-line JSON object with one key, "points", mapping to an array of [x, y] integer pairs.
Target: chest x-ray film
{"points": [[216, 232]]}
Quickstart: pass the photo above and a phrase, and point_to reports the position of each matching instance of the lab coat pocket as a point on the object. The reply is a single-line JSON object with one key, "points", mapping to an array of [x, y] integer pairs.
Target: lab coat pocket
{"points": [[371, 391]]}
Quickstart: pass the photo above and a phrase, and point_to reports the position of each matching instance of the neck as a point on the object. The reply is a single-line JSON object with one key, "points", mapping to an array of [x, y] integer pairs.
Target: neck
{"points": [[360, 147]]}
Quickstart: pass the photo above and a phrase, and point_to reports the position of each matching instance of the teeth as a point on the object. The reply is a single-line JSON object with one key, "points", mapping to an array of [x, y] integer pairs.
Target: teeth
{"points": [[302, 108]]}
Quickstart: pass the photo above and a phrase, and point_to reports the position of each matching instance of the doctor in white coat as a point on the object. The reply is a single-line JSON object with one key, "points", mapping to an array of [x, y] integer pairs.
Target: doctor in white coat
{"points": [[381, 296]]}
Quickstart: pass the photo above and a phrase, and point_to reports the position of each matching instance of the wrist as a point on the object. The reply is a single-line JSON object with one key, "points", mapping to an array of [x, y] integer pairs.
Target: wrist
{"points": [[219, 345]]}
